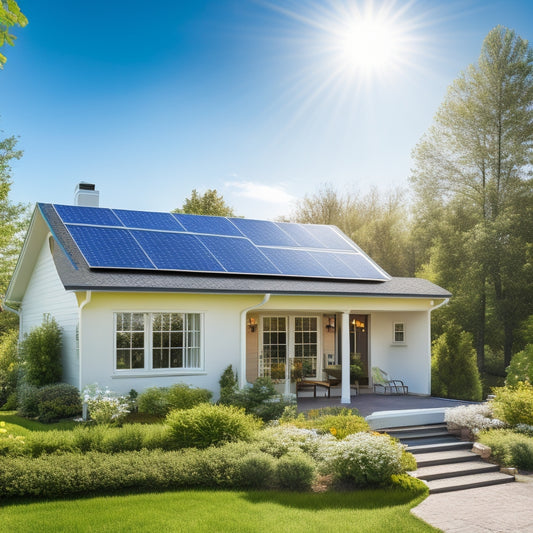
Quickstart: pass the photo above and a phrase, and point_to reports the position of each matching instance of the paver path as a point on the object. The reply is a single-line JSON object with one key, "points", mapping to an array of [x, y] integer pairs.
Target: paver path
{"points": [[499, 508]]}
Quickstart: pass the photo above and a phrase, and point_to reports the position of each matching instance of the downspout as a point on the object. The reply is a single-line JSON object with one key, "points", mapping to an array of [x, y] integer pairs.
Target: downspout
{"points": [[11, 310], [444, 302], [242, 375], [88, 295]]}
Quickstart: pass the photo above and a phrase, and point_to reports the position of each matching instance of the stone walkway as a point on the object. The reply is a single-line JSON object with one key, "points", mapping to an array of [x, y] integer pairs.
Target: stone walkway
{"points": [[499, 508]]}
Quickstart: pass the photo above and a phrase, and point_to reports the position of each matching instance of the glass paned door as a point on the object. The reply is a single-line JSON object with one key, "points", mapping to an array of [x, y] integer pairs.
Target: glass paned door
{"points": [[274, 340], [306, 344]]}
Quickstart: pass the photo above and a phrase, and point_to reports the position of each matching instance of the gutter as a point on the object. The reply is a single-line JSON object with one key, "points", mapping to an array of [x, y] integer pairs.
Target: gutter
{"points": [[88, 295], [242, 376]]}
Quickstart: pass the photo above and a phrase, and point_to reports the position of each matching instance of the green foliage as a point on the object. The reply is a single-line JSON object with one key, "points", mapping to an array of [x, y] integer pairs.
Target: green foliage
{"points": [[228, 385], [209, 203], [11, 445], [296, 471], [363, 459], [206, 425], [9, 365], [58, 401], [41, 353], [161, 400], [339, 426], [509, 448], [105, 406], [27, 403], [261, 399], [10, 15], [408, 462], [521, 367], [407, 483], [454, 372], [514, 405]]}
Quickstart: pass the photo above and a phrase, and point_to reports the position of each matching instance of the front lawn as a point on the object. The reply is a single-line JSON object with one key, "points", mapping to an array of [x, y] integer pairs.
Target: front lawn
{"points": [[220, 511]]}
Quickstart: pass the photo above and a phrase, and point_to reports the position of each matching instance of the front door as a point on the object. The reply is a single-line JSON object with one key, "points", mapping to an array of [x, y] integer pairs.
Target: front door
{"points": [[359, 342]]}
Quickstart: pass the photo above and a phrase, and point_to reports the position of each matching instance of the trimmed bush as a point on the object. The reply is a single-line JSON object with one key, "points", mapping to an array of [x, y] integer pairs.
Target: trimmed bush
{"points": [[363, 459], [228, 385], [58, 401], [27, 403], [514, 405], [340, 422], [41, 353], [160, 401], [521, 367], [454, 372], [9, 365], [509, 448], [206, 425], [296, 471]]}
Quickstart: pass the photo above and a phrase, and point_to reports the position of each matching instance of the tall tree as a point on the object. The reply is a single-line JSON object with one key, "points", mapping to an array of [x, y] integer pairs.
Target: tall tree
{"points": [[474, 190], [10, 15], [13, 221], [209, 203]]}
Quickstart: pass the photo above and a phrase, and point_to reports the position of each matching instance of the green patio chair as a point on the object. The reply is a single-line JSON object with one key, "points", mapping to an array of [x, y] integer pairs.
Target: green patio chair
{"points": [[384, 385]]}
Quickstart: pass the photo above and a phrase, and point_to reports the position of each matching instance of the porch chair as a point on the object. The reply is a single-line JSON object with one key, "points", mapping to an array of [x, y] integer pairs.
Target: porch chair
{"points": [[384, 385]]}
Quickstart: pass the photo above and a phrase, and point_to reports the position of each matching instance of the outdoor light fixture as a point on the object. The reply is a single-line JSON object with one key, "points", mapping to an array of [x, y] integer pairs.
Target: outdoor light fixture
{"points": [[252, 324], [358, 324], [330, 326]]}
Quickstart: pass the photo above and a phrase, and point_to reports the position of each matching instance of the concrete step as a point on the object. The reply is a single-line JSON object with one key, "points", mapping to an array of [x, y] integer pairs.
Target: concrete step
{"points": [[453, 444], [444, 457], [430, 439], [448, 470], [413, 432], [468, 482]]}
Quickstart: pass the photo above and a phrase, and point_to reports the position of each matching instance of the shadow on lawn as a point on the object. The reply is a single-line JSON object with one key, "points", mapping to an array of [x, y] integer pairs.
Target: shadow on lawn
{"points": [[354, 499]]}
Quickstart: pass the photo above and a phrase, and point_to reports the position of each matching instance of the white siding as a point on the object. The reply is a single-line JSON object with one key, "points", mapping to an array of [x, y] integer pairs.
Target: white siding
{"points": [[45, 294]]}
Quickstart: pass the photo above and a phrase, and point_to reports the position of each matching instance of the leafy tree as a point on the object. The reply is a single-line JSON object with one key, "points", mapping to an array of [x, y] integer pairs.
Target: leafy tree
{"points": [[521, 367], [9, 365], [10, 15], [11, 215], [454, 372], [41, 353], [209, 203], [474, 194]]}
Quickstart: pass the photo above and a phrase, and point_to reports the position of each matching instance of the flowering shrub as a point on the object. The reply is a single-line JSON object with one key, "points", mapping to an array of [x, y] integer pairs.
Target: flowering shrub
{"points": [[10, 444], [475, 417], [105, 406], [282, 440], [363, 459]]}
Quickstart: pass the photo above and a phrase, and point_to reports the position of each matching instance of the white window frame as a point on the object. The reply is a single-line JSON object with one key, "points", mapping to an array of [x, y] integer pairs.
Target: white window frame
{"points": [[403, 331], [148, 369]]}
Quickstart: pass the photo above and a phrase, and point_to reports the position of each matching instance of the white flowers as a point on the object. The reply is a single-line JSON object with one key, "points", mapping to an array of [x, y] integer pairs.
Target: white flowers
{"points": [[476, 417], [105, 406]]}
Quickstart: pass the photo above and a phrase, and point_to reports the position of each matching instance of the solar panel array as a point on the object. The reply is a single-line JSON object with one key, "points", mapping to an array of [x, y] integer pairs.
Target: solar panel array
{"points": [[142, 240]]}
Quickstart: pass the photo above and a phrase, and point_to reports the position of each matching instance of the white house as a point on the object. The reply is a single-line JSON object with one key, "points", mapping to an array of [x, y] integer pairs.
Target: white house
{"points": [[150, 299]]}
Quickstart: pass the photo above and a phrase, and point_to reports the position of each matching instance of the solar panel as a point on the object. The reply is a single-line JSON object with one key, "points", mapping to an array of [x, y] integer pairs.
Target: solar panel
{"points": [[129, 239], [92, 216], [109, 247], [176, 251], [295, 262], [362, 267], [330, 237], [263, 232], [208, 225], [238, 255], [148, 220], [300, 234]]}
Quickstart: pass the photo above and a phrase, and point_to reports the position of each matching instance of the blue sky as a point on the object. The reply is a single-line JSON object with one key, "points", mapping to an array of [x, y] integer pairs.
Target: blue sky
{"points": [[149, 100]]}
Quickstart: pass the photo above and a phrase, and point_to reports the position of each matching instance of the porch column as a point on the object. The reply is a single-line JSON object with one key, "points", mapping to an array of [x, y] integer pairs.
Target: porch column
{"points": [[345, 358]]}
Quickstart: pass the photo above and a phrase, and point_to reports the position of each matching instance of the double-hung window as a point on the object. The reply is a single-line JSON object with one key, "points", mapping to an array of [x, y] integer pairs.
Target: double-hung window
{"points": [[158, 341]]}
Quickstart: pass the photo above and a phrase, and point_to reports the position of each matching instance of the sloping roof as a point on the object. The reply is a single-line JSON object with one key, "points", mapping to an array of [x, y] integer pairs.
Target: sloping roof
{"points": [[76, 274]]}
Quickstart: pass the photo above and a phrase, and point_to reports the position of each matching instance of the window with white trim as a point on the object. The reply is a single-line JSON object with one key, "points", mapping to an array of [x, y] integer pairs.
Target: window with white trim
{"points": [[398, 333], [172, 339]]}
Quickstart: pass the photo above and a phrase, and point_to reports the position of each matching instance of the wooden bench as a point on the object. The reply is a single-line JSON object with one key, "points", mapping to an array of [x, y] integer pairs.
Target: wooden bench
{"points": [[312, 384]]}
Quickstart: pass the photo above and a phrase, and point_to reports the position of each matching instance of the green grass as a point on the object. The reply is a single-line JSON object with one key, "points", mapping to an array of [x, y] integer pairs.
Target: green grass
{"points": [[359, 511], [22, 426]]}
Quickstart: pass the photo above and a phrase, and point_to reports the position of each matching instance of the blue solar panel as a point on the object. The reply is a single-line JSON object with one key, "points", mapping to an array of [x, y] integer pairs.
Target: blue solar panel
{"points": [[362, 267], [330, 236], [208, 224], [109, 247], [176, 251], [295, 262], [300, 234], [92, 216], [263, 232], [148, 220], [332, 263], [238, 255]]}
